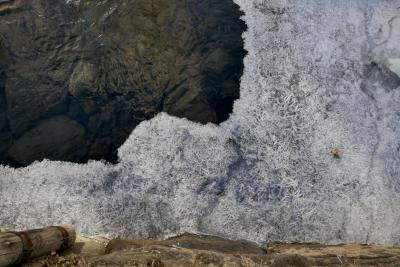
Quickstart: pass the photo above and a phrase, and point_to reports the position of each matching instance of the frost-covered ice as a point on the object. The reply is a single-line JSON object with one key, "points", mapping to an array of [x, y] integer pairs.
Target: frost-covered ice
{"points": [[319, 75]]}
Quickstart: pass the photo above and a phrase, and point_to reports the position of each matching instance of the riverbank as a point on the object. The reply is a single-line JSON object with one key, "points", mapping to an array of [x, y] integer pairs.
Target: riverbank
{"points": [[200, 250]]}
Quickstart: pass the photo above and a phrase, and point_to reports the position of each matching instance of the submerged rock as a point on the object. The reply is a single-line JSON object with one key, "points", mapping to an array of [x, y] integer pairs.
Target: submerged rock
{"points": [[110, 65], [59, 138]]}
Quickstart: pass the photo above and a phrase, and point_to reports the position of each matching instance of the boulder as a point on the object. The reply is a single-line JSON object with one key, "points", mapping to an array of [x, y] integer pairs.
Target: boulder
{"points": [[58, 138]]}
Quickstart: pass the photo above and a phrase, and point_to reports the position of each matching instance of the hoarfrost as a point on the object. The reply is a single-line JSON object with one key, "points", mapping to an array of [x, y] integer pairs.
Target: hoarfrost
{"points": [[311, 152]]}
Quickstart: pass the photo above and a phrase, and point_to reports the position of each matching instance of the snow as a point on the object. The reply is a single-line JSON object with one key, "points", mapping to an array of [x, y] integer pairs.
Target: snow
{"points": [[319, 76]]}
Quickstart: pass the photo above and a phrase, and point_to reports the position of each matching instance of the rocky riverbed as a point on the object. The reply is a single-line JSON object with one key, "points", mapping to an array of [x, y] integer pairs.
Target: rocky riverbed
{"points": [[76, 77]]}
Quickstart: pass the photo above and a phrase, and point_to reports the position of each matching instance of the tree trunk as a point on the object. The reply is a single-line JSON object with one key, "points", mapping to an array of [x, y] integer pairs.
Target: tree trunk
{"points": [[16, 247]]}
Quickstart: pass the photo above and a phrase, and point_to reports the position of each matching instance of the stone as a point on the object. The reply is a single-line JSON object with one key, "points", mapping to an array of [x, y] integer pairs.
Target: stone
{"points": [[53, 139], [82, 80], [3, 115], [100, 147]]}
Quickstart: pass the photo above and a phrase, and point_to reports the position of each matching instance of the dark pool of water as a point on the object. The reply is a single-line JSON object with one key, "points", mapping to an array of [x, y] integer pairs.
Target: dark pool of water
{"points": [[76, 79]]}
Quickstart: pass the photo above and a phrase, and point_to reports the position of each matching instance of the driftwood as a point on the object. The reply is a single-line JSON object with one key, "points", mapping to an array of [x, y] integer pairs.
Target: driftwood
{"points": [[16, 247]]}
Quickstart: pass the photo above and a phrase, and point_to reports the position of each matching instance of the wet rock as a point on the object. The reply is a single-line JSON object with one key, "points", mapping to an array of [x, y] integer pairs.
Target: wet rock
{"points": [[99, 147], [56, 138], [82, 79], [5, 141]]}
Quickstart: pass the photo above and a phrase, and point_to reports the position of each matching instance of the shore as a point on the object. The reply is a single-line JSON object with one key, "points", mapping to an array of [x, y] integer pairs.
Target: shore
{"points": [[200, 250]]}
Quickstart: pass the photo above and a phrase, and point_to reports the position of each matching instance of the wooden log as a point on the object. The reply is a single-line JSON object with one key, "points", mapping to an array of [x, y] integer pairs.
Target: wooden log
{"points": [[16, 247]]}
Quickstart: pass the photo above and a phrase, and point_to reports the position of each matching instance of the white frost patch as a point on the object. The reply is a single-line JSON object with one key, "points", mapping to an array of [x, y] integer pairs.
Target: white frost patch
{"points": [[310, 86]]}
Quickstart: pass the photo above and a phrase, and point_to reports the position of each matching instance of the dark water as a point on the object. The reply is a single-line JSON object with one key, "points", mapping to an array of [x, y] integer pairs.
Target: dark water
{"points": [[76, 79]]}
